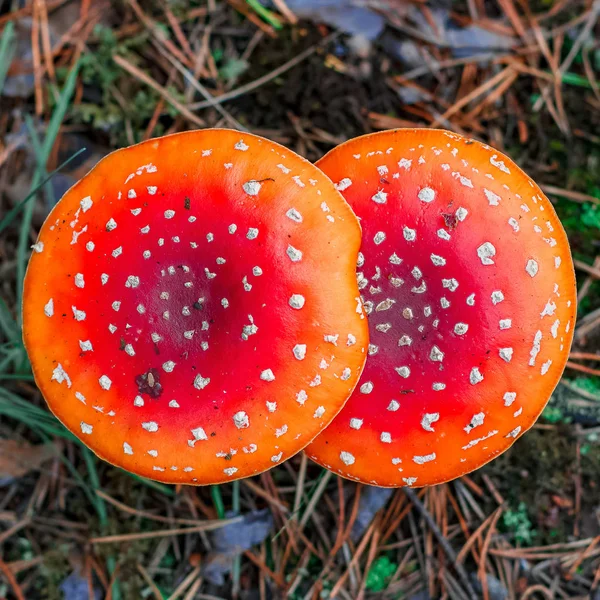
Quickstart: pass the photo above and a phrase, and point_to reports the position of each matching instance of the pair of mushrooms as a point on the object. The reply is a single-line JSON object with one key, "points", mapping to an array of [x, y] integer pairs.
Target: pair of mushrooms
{"points": [[202, 306]]}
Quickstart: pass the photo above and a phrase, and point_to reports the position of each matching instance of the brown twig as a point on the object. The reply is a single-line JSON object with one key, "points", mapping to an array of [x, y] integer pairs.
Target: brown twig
{"points": [[5, 535], [464, 578], [15, 15], [480, 90], [584, 356], [253, 85], [481, 571], [462, 555], [183, 41], [157, 33], [12, 581], [354, 561], [128, 537], [37, 60], [593, 271], [284, 9], [584, 289], [145, 514], [570, 194], [155, 591], [310, 507], [141, 76], [582, 369], [370, 558], [193, 81]]}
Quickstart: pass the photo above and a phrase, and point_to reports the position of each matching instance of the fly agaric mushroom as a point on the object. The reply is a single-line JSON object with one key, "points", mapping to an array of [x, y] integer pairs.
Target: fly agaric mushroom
{"points": [[190, 309], [467, 278]]}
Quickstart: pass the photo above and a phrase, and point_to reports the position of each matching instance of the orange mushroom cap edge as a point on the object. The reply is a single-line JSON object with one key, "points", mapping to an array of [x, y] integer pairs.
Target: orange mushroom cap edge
{"points": [[468, 282], [190, 308]]}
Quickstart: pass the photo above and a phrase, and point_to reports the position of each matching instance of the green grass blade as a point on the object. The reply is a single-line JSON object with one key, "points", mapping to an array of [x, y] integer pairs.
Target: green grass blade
{"points": [[90, 463], [265, 14], [98, 503], [51, 133], [60, 111], [111, 564], [43, 422], [37, 419], [12, 355], [13, 212], [12, 377], [88, 491], [8, 326], [156, 485], [215, 492], [576, 80], [39, 157], [237, 560], [7, 51]]}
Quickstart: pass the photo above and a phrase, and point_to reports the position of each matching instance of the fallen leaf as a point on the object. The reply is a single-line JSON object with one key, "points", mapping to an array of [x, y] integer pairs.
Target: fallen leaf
{"points": [[562, 502], [372, 499], [18, 458], [232, 540], [75, 587], [341, 14]]}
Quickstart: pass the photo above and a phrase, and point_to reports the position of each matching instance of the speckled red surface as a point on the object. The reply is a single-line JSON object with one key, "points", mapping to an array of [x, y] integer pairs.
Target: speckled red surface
{"points": [[467, 276], [189, 308]]}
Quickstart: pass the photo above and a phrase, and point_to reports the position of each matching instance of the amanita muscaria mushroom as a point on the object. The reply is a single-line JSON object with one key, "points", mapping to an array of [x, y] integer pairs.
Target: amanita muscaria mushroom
{"points": [[468, 282], [191, 310]]}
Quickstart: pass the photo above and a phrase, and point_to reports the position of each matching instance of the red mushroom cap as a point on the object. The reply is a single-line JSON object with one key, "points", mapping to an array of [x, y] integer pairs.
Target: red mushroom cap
{"points": [[191, 308], [467, 278]]}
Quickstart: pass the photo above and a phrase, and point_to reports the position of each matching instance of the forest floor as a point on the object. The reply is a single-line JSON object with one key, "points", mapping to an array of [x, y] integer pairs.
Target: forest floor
{"points": [[80, 78]]}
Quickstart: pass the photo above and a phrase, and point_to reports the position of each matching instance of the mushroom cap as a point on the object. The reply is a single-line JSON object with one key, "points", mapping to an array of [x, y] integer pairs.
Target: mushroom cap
{"points": [[190, 310], [468, 282]]}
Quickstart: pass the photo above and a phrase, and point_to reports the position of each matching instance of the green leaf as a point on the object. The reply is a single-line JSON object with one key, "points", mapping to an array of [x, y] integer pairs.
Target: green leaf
{"points": [[380, 573], [517, 521], [591, 215], [588, 384], [552, 414], [232, 69]]}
